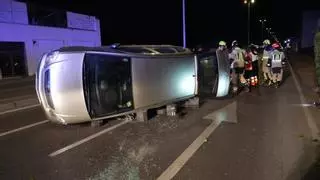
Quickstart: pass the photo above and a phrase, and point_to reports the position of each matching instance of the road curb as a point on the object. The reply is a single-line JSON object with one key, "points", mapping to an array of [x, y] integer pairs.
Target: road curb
{"points": [[18, 105]]}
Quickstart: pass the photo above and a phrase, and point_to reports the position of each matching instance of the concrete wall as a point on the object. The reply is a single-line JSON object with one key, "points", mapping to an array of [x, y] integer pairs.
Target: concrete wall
{"points": [[80, 21], [13, 12]]}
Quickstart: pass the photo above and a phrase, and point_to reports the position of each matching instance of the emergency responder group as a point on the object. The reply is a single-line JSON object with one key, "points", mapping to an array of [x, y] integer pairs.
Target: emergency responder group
{"points": [[245, 67]]}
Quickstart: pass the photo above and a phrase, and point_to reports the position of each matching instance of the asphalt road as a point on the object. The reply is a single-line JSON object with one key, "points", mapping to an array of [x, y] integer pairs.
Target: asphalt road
{"points": [[270, 139]]}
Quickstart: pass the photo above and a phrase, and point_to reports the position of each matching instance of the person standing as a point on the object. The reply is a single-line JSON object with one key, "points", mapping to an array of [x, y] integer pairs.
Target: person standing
{"points": [[265, 69], [276, 63], [255, 64], [222, 52], [237, 65], [248, 74], [223, 62]]}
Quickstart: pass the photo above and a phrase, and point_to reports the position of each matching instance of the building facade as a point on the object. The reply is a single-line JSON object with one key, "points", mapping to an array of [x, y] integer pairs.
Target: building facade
{"points": [[27, 31]]}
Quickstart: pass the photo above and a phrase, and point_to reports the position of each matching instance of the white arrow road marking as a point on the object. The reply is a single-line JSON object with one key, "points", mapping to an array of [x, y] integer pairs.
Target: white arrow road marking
{"points": [[226, 114]]}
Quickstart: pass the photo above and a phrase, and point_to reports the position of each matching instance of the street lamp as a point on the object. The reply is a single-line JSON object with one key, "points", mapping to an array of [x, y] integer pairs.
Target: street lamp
{"points": [[262, 21], [273, 34], [249, 3], [268, 29], [184, 23]]}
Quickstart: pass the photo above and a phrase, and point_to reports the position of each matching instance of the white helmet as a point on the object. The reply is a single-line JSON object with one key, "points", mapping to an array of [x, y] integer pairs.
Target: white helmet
{"points": [[222, 43], [234, 43], [266, 42]]}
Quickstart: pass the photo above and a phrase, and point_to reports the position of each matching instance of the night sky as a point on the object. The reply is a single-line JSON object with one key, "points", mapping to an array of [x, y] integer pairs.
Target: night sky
{"points": [[208, 21]]}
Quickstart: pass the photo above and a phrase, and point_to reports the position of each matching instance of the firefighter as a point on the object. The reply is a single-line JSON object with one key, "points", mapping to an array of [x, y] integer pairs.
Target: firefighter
{"points": [[222, 46], [276, 62], [249, 69], [237, 65], [255, 64], [222, 51], [222, 55], [265, 69]]}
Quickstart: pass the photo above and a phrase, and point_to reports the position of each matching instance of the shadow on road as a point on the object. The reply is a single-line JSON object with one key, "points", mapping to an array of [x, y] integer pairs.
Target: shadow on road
{"points": [[308, 165], [313, 172]]}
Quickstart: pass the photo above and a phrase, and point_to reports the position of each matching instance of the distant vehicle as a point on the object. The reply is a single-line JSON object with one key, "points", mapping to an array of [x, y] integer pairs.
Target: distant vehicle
{"points": [[83, 84]]}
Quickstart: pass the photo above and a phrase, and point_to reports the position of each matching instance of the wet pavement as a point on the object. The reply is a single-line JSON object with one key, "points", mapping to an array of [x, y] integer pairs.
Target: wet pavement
{"points": [[269, 139]]}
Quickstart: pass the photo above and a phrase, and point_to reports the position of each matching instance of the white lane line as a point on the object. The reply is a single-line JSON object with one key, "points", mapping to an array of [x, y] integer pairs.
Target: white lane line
{"points": [[19, 109], [177, 165], [78, 143], [23, 128], [310, 120]]}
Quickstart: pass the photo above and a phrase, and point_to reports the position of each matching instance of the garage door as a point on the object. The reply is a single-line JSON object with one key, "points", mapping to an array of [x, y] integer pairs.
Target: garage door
{"points": [[12, 59]]}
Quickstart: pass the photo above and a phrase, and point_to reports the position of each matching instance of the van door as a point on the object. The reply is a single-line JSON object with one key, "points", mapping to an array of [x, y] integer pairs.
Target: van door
{"points": [[108, 84], [214, 74], [207, 74]]}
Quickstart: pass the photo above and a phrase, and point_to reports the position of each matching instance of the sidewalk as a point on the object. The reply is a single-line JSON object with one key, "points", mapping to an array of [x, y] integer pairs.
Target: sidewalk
{"points": [[16, 80], [17, 88], [17, 93]]}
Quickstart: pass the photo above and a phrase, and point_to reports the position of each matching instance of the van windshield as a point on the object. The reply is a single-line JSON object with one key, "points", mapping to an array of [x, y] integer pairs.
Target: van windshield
{"points": [[107, 84]]}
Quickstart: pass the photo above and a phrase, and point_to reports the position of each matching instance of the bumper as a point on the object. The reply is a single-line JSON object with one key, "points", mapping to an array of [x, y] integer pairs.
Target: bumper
{"points": [[63, 119]]}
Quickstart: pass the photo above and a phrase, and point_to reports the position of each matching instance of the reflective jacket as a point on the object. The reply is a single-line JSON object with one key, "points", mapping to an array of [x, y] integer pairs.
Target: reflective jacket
{"points": [[276, 59], [237, 58]]}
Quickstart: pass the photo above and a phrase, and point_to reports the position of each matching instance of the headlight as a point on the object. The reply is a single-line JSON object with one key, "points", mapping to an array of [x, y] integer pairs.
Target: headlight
{"points": [[51, 57]]}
